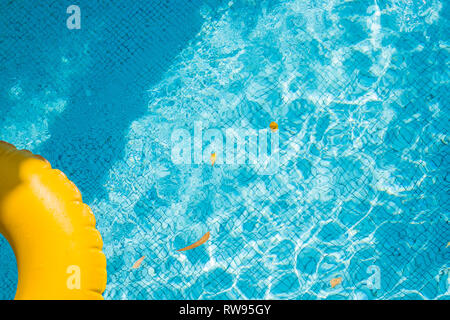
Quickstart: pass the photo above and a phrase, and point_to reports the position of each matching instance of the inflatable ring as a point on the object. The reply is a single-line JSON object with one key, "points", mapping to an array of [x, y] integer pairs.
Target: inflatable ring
{"points": [[51, 231]]}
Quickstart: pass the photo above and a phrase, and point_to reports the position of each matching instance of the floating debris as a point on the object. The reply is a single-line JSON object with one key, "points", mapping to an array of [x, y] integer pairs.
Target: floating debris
{"points": [[137, 264], [273, 126], [448, 244], [336, 281], [213, 158], [197, 244]]}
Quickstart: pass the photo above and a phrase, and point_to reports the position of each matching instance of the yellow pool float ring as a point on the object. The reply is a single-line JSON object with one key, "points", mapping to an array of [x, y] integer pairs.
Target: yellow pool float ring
{"points": [[51, 231]]}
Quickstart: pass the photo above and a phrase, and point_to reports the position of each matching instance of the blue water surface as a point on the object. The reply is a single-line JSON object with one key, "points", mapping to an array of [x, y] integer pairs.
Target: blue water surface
{"points": [[358, 88]]}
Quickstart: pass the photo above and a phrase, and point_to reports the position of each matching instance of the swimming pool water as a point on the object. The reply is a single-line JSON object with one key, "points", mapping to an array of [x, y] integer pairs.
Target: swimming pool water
{"points": [[359, 90]]}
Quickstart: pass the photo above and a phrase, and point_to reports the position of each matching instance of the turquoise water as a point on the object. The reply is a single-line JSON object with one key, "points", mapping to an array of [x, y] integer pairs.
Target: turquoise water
{"points": [[359, 90]]}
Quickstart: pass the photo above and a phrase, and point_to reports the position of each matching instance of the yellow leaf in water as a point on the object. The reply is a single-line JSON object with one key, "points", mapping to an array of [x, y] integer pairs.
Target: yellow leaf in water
{"points": [[336, 281], [448, 245], [197, 244], [273, 126], [213, 158], [137, 264]]}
